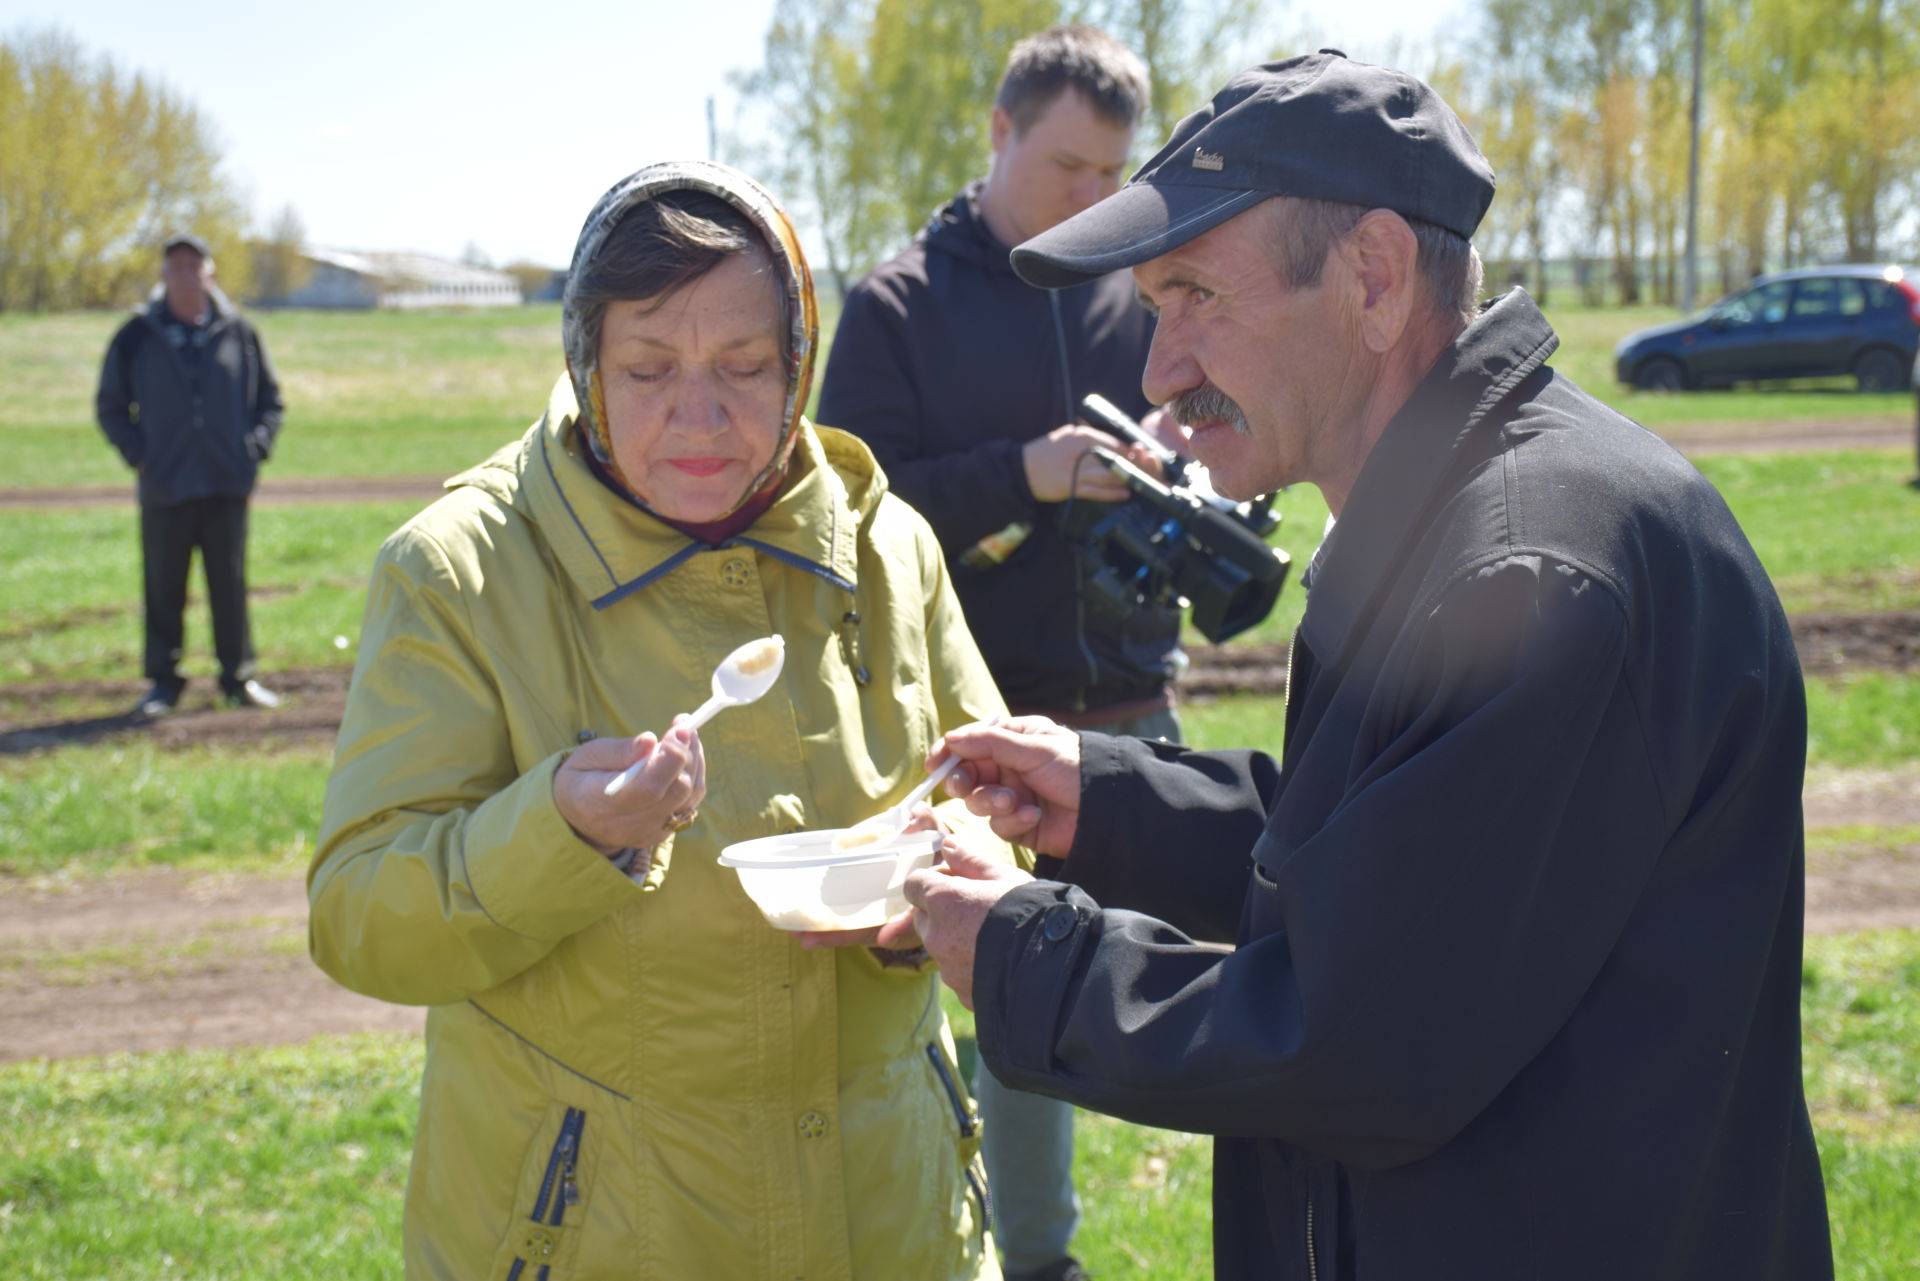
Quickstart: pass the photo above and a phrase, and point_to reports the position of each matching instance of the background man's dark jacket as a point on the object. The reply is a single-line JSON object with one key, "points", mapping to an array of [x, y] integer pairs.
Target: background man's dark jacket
{"points": [[946, 363], [1519, 910], [190, 437]]}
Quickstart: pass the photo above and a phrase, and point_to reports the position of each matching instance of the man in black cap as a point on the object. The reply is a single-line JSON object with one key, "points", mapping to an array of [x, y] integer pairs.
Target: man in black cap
{"points": [[188, 397], [1518, 909]]}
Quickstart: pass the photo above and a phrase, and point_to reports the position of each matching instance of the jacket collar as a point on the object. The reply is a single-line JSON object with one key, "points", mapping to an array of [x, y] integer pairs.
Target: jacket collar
{"points": [[220, 309], [1448, 415], [611, 549], [960, 229]]}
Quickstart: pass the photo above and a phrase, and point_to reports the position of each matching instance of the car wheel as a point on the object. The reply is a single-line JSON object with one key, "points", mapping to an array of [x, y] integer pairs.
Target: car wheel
{"points": [[1880, 370], [1661, 373]]}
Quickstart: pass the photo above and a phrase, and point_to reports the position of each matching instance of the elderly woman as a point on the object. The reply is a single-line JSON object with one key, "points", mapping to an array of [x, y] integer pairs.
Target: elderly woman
{"points": [[629, 1072]]}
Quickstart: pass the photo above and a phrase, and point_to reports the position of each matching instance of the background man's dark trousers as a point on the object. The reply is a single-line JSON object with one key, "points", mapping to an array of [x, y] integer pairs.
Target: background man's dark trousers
{"points": [[168, 536]]}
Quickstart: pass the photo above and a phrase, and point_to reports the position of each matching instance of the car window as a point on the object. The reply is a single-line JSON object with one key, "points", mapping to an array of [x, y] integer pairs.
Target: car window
{"points": [[1882, 296], [1766, 304], [1826, 296]]}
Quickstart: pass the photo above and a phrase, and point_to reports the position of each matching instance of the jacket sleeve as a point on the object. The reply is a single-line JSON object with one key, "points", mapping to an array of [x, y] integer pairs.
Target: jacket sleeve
{"points": [[113, 401], [1168, 830], [442, 868], [1416, 951], [268, 410], [870, 390]]}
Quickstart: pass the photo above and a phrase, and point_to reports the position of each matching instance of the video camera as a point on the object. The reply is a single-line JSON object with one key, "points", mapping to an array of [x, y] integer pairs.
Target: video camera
{"points": [[1173, 542]]}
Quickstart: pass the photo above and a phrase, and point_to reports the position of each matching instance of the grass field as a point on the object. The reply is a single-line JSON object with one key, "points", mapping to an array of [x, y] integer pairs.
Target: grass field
{"points": [[426, 393], [292, 1161]]}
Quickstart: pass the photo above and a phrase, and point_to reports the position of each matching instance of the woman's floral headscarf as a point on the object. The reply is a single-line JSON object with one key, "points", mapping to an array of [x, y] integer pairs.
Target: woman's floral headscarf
{"points": [[765, 213]]}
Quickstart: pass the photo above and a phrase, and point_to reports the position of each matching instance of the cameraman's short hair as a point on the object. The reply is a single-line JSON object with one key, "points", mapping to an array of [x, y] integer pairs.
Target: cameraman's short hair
{"points": [[660, 247], [1044, 66], [1306, 230]]}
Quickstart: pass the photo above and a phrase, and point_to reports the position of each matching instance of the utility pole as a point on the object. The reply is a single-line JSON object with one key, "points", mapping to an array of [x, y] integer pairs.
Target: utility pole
{"points": [[713, 134], [1690, 274]]}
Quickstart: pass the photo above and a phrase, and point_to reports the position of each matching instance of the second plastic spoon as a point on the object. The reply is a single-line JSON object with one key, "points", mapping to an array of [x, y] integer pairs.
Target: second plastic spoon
{"points": [[743, 676]]}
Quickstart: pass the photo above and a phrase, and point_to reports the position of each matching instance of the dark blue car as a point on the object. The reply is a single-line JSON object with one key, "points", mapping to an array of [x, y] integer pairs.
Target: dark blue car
{"points": [[1815, 322]]}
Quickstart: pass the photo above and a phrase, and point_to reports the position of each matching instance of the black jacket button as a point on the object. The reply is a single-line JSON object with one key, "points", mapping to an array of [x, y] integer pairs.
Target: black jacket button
{"points": [[1061, 921]]}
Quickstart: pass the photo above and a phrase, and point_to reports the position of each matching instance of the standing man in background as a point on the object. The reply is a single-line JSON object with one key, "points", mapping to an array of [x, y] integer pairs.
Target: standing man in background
{"points": [[188, 397], [965, 381]]}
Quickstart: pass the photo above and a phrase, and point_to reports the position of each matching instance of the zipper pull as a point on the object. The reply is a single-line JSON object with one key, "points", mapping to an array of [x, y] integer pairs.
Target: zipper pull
{"points": [[569, 1185], [850, 645]]}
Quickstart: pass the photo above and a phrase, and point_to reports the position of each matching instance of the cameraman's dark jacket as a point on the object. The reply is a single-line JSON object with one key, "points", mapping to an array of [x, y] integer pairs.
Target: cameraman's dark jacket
{"points": [[195, 430], [1516, 996], [946, 363]]}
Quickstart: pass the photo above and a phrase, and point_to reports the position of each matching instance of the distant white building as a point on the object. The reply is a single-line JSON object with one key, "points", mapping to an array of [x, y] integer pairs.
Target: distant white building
{"points": [[351, 279]]}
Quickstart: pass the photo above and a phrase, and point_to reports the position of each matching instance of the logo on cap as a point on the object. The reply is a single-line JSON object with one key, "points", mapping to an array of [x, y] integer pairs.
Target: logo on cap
{"points": [[1204, 159]]}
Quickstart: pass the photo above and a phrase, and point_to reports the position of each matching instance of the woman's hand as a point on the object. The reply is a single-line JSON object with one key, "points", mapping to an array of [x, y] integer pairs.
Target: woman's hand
{"points": [[659, 801]]}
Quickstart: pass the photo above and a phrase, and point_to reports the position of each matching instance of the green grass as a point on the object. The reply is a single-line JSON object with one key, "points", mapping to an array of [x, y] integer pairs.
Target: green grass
{"points": [[100, 810], [381, 393], [1860, 720], [1861, 997], [426, 393], [1836, 531], [1589, 335], [71, 578], [292, 1161], [1863, 719], [272, 1163]]}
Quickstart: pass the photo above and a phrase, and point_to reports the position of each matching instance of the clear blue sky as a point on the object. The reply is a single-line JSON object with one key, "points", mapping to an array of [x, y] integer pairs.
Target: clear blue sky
{"points": [[400, 125]]}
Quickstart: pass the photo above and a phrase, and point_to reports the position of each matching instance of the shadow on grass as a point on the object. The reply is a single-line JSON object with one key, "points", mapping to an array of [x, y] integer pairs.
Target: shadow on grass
{"points": [[74, 733]]}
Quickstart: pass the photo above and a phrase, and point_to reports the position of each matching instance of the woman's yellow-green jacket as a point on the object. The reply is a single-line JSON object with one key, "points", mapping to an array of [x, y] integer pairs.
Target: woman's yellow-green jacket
{"points": [[646, 1079]]}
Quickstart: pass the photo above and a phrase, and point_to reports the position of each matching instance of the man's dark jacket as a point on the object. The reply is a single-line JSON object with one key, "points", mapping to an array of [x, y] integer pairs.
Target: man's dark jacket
{"points": [[1519, 909], [196, 428], [946, 364]]}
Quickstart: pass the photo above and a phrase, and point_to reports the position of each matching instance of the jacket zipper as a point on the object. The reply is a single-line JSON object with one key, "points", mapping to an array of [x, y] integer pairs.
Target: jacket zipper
{"points": [[968, 1122], [559, 1186], [561, 1168], [1313, 1259]]}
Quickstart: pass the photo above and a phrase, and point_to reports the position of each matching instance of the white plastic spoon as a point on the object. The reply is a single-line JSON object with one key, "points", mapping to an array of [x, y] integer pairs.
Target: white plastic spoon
{"points": [[887, 824], [742, 677]]}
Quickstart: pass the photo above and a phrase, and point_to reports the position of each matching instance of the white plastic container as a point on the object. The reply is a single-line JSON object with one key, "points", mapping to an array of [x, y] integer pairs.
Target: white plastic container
{"points": [[799, 883]]}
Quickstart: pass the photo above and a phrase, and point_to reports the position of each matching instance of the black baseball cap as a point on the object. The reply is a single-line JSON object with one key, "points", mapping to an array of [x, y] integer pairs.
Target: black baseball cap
{"points": [[185, 240], [1320, 126]]}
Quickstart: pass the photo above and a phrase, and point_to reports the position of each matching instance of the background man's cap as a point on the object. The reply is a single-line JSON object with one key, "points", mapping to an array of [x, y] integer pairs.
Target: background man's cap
{"points": [[185, 239], [1319, 126]]}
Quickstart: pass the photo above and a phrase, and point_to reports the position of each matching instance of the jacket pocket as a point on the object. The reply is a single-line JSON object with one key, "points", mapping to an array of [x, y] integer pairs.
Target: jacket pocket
{"points": [[536, 1244]]}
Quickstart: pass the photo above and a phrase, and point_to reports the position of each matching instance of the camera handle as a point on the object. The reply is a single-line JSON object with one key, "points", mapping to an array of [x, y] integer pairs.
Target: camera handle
{"points": [[1097, 411]]}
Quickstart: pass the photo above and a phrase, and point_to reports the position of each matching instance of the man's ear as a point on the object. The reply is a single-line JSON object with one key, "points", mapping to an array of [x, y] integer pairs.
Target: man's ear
{"points": [[1002, 128], [1383, 256]]}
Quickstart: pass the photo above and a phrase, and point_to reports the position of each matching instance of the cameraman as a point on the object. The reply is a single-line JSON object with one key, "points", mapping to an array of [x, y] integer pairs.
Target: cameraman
{"points": [[964, 381]]}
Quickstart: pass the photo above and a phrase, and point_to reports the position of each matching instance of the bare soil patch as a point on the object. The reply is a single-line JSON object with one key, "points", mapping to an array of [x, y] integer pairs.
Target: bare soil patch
{"points": [[160, 961]]}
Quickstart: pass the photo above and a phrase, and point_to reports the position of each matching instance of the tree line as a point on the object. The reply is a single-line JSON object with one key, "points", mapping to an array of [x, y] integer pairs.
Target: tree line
{"points": [[870, 113], [97, 166], [1809, 146], [866, 115]]}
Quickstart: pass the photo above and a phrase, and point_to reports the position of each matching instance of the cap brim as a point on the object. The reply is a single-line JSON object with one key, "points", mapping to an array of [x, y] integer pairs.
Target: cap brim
{"points": [[1138, 222]]}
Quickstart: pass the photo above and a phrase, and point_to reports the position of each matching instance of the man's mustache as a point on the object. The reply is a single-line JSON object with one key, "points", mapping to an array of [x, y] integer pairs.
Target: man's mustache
{"points": [[1207, 403]]}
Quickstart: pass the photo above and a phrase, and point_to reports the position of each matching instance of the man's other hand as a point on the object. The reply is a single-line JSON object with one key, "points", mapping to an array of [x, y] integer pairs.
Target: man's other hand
{"points": [[1059, 467], [950, 903]]}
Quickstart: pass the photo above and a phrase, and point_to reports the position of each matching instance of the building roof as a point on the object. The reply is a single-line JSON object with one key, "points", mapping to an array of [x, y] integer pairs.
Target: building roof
{"points": [[419, 271]]}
